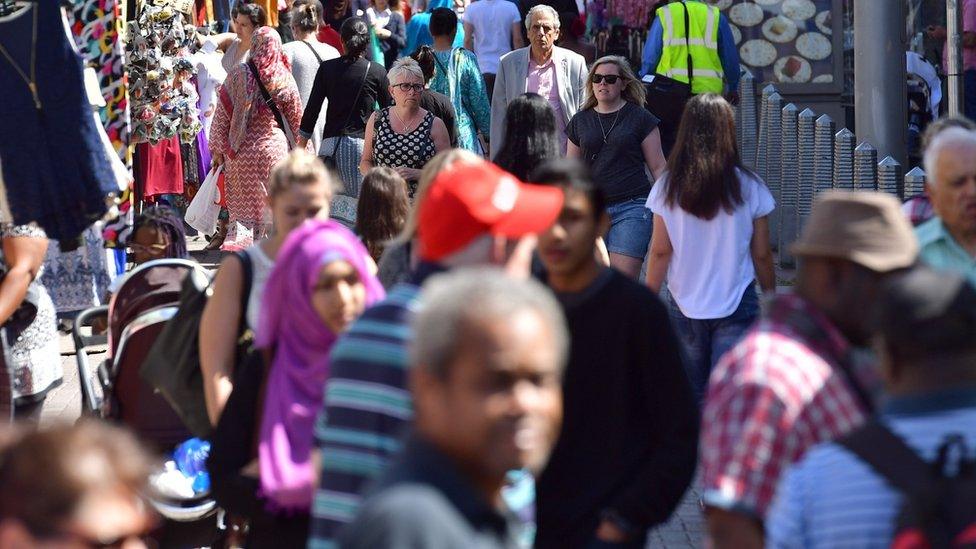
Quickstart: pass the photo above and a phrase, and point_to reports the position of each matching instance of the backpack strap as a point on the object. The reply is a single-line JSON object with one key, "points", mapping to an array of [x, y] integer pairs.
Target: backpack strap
{"points": [[891, 458]]}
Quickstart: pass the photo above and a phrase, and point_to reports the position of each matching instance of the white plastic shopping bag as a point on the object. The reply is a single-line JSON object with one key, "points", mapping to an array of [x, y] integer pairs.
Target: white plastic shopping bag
{"points": [[203, 210]]}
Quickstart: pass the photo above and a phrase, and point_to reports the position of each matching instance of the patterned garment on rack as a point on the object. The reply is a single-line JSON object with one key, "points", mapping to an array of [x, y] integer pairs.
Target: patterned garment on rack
{"points": [[78, 279], [96, 26]]}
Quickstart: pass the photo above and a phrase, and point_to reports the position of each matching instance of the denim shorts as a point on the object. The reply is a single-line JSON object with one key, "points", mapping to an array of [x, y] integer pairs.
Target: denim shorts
{"points": [[630, 228]]}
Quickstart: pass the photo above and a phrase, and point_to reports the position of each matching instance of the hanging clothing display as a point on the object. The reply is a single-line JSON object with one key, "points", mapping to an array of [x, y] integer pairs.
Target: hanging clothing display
{"points": [[54, 164], [77, 279], [163, 95], [96, 26], [159, 168]]}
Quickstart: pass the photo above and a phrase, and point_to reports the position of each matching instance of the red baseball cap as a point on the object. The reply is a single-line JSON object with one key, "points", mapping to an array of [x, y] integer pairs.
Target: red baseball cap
{"points": [[470, 199]]}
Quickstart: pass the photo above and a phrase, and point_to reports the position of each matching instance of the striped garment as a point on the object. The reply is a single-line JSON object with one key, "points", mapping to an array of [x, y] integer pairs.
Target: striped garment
{"points": [[833, 499], [367, 407]]}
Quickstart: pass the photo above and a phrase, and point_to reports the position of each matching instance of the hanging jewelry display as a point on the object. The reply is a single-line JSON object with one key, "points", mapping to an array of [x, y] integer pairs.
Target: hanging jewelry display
{"points": [[164, 98]]}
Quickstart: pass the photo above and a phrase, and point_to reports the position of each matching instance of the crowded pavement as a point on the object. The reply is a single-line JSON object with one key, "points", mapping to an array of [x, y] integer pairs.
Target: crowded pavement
{"points": [[492, 274]]}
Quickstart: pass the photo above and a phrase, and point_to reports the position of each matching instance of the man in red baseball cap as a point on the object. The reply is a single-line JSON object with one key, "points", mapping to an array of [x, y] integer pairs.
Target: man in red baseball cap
{"points": [[473, 213]]}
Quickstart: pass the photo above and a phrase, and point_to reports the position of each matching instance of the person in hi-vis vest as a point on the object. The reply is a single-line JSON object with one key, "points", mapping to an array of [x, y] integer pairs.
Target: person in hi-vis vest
{"points": [[713, 51]]}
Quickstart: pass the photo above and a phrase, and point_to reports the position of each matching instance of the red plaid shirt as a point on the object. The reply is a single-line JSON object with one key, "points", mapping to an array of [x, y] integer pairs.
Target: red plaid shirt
{"points": [[781, 390]]}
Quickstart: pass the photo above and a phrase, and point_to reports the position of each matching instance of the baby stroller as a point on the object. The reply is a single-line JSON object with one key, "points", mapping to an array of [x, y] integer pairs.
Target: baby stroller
{"points": [[146, 300]]}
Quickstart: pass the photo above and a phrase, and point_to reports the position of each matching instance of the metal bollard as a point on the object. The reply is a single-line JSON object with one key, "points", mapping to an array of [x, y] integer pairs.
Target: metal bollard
{"points": [[783, 218], [891, 180], [761, 153], [914, 183], [750, 124], [866, 167], [805, 135], [774, 143], [823, 147], [844, 159]]}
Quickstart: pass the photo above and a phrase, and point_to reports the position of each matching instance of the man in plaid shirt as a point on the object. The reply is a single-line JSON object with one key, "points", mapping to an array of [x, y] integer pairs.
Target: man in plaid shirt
{"points": [[795, 379]]}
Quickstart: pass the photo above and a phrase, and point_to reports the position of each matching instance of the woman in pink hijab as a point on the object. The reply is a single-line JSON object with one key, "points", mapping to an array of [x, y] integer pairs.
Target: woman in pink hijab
{"points": [[321, 282]]}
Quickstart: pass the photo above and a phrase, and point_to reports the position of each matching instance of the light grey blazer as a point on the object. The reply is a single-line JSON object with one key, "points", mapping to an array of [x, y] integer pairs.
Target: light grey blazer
{"points": [[512, 79]]}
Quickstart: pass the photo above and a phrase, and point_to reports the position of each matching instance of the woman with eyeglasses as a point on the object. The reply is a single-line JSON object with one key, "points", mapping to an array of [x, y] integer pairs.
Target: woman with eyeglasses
{"points": [[405, 136], [619, 141]]}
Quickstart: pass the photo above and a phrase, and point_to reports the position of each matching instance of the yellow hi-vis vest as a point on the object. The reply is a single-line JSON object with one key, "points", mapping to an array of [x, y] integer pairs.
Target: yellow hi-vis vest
{"points": [[702, 40]]}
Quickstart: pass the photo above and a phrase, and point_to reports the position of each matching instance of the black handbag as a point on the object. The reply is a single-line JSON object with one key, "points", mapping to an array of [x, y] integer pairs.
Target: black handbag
{"points": [[666, 97], [172, 366], [329, 159]]}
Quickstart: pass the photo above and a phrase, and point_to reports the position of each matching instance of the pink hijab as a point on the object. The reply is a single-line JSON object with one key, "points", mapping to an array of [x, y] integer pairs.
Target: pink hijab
{"points": [[301, 342]]}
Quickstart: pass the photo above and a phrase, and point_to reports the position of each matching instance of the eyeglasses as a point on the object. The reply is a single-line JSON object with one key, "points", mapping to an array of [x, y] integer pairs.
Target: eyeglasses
{"points": [[544, 29], [610, 78], [405, 87], [152, 249]]}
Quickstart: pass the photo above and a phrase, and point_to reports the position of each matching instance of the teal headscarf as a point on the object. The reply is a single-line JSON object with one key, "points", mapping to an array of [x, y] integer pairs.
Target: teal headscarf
{"points": [[418, 29]]}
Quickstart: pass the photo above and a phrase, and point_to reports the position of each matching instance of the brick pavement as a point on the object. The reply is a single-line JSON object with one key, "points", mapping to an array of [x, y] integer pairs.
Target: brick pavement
{"points": [[63, 404]]}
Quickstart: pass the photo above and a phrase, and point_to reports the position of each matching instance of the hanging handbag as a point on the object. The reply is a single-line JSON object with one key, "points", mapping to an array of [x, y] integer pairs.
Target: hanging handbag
{"points": [[172, 366], [666, 97], [272, 105], [329, 159]]}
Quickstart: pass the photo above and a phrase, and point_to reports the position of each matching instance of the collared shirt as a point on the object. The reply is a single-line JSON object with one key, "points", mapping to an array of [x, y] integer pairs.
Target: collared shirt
{"points": [[367, 405], [425, 501], [918, 209], [941, 251], [543, 80], [785, 387], [727, 51], [833, 499]]}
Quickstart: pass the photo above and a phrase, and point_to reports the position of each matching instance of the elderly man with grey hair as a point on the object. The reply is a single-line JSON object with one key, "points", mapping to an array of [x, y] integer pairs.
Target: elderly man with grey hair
{"points": [[555, 73], [487, 362], [948, 241], [405, 136]]}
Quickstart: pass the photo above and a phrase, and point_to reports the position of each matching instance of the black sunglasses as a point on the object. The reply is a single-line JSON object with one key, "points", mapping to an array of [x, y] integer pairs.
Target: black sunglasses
{"points": [[610, 78]]}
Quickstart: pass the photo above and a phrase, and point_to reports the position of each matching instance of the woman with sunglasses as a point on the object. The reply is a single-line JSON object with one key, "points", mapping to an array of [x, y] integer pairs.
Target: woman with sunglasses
{"points": [[619, 141], [405, 136]]}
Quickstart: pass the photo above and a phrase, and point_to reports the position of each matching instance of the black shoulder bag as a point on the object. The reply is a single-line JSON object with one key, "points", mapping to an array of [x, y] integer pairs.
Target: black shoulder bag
{"points": [[329, 159], [272, 105]]}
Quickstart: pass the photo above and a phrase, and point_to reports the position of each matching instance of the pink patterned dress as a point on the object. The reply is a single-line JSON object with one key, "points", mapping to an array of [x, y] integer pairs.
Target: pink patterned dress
{"points": [[260, 145]]}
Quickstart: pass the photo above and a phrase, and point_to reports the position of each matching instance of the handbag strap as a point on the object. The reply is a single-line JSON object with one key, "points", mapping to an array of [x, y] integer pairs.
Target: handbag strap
{"points": [[355, 102], [691, 64], [271, 105], [315, 53]]}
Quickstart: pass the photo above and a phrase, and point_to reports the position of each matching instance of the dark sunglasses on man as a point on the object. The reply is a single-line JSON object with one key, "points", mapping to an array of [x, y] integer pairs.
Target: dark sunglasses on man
{"points": [[610, 78]]}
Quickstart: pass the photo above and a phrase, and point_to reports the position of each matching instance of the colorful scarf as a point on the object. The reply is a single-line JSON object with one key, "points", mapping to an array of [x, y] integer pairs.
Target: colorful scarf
{"points": [[301, 342], [275, 72]]}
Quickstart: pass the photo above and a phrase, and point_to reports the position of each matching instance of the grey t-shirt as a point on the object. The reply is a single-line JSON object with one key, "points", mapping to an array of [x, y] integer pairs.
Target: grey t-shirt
{"points": [[617, 165]]}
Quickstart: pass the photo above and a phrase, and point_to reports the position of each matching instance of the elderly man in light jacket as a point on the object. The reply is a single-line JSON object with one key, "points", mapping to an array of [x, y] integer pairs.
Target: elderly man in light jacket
{"points": [[555, 73]]}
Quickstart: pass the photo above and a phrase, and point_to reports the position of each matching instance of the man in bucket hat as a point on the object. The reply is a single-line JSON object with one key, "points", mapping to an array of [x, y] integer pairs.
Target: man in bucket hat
{"points": [[795, 380]]}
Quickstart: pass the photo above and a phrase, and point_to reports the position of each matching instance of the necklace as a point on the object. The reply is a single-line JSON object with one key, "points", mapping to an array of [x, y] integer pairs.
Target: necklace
{"points": [[406, 129], [32, 81], [606, 133]]}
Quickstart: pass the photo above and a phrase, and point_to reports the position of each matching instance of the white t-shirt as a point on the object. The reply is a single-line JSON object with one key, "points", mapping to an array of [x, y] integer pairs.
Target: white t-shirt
{"points": [[492, 21], [261, 266], [712, 265]]}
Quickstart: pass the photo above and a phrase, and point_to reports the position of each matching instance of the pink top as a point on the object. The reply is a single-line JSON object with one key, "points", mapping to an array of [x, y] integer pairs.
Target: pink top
{"points": [[542, 80], [968, 25]]}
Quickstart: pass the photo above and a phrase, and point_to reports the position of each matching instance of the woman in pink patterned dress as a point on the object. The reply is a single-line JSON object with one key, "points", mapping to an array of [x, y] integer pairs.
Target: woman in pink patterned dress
{"points": [[246, 138]]}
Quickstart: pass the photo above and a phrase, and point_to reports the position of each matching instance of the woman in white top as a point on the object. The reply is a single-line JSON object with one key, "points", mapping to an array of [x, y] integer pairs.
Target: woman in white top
{"points": [[711, 237], [300, 188], [305, 54]]}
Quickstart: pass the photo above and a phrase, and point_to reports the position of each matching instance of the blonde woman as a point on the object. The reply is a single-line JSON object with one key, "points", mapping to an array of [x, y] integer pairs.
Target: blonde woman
{"points": [[619, 141], [300, 188]]}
